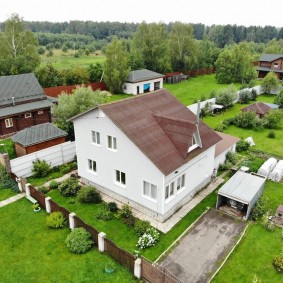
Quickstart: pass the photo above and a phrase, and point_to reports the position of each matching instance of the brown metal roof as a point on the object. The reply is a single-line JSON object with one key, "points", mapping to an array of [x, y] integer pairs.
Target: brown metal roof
{"points": [[226, 142], [258, 107], [150, 120]]}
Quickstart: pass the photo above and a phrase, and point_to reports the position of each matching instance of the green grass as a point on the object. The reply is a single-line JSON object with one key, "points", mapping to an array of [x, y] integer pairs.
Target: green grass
{"points": [[36, 181], [193, 88], [6, 193], [32, 252], [7, 146], [62, 60], [257, 249], [121, 234]]}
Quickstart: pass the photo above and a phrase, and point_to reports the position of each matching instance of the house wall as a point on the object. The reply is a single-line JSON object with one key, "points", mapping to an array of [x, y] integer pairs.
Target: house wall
{"points": [[20, 122], [131, 88], [22, 150], [128, 159], [220, 159]]}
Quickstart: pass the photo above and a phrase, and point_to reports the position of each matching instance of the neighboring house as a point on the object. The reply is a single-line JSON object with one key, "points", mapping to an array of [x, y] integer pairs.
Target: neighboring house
{"points": [[38, 137], [23, 103], [148, 151], [260, 108], [142, 81], [227, 144], [270, 63], [175, 77]]}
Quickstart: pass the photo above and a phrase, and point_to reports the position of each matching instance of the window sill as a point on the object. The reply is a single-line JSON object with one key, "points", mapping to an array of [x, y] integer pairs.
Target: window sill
{"points": [[120, 185], [92, 172], [180, 190], [96, 144], [111, 149], [169, 199], [149, 198]]}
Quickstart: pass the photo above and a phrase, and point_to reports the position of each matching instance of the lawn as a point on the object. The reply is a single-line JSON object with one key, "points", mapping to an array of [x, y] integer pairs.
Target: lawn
{"points": [[7, 146], [32, 252], [124, 236], [193, 88], [6, 193], [61, 60], [257, 249]]}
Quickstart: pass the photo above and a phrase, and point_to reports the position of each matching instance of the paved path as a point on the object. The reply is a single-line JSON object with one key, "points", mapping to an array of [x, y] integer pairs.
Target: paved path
{"points": [[12, 199]]}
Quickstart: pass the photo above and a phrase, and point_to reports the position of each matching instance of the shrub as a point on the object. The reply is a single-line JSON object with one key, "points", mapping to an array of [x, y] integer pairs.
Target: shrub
{"points": [[125, 212], [43, 189], [55, 169], [53, 185], [253, 95], [112, 206], [221, 128], [242, 146], [65, 169], [231, 157], [148, 239], [255, 164], [69, 187], [278, 262], [259, 209], [74, 165], [225, 166], [89, 194], [130, 221], [244, 96], [55, 220], [40, 168], [103, 213], [79, 241], [141, 226], [271, 135], [6, 182]]}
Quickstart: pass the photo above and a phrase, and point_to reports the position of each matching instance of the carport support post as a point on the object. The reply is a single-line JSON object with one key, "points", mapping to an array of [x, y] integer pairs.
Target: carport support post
{"points": [[72, 220], [27, 189], [47, 204], [137, 270], [101, 237]]}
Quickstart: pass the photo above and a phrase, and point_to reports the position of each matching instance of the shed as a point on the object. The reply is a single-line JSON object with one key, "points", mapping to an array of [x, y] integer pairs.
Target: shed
{"points": [[38, 137], [239, 194]]}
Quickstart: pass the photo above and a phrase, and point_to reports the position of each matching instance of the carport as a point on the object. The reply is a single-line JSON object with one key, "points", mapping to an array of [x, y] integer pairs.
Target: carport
{"points": [[239, 194]]}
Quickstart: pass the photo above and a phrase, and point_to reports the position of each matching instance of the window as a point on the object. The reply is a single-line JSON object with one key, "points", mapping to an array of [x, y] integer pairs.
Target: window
{"points": [[91, 165], [112, 143], [95, 137], [40, 112], [9, 122], [149, 190], [27, 115], [169, 190], [120, 177], [275, 65], [181, 182]]}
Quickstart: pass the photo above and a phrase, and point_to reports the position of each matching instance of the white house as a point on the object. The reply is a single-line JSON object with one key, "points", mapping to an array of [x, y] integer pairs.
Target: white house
{"points": [[142, 81], [149, 151]]}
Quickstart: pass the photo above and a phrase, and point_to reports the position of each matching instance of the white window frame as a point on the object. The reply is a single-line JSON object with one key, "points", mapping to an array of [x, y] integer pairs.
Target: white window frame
{"points": [[180, 183], [40, 112], [92, 165], [120, 178], [112, 143], [95, 137], [149, 190], [27, 115], [170, 191], [9, 123]]}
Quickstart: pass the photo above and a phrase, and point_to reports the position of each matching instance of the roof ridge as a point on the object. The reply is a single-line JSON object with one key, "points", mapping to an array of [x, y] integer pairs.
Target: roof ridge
{"points": [[174, 119]]}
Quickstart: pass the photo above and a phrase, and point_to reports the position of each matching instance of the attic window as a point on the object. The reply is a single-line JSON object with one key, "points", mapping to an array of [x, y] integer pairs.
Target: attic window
{"points": [[194, 145], [27, 115], [275, 65]]}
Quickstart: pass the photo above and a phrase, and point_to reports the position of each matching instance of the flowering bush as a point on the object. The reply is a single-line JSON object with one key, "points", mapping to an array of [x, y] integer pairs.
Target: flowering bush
{"points": [[148, 239]]}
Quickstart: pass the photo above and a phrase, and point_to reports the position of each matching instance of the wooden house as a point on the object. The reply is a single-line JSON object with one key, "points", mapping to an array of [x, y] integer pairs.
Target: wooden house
{"points": [[270, 63]]}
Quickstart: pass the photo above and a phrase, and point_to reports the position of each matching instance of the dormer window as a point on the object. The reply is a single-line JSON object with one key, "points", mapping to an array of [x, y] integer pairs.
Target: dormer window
{"points": [[194, 145]]}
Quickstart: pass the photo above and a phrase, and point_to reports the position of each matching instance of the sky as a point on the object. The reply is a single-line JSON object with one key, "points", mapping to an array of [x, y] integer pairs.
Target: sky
{"points": [[208, 12]]}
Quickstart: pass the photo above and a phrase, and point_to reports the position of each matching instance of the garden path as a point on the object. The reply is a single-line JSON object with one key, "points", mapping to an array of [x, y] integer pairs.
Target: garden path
{"points": [[12, 199]]}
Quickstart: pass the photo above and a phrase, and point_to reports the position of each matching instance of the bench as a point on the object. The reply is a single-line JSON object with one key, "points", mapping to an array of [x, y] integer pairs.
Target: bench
{"points": [[31, 199]]}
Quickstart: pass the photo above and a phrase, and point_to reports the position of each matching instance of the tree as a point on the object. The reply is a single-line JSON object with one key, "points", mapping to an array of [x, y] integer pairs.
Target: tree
{"points": [[116, 67], [80, 100], [270, 83], [226, 96], [279, 99], [233, 65], [48, 76], [273, 119], [95, 72], [18, 48]]}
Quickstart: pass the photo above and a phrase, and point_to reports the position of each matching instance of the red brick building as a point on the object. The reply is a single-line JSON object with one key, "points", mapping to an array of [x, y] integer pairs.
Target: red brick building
{"points": [[23, 104]]}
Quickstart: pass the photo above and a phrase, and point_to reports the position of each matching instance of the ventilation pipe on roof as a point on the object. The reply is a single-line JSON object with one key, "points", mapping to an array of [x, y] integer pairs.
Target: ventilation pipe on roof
{"points": [[198, 113], [13, 101]]}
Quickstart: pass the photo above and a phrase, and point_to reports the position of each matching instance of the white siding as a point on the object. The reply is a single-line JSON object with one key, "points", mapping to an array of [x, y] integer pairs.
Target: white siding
{"points": [[220, 159], [131, 88], [128, 159]]}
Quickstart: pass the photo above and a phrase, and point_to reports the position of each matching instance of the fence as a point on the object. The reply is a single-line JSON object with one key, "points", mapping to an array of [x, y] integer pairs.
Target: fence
{"points": [[55, 155], [141, 268]]}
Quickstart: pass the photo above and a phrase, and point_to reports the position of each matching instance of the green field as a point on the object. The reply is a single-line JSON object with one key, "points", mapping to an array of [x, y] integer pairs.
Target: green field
{"points": [[6, 193], [32, 252], [61, 60], [257, 249]]}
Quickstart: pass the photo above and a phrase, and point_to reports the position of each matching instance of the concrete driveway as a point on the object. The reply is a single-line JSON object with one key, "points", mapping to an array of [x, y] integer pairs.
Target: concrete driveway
{"points": [[198, 253]]}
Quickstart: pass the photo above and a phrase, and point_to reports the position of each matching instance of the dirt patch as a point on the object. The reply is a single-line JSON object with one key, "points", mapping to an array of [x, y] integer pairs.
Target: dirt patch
{"points": [[199, 252]]}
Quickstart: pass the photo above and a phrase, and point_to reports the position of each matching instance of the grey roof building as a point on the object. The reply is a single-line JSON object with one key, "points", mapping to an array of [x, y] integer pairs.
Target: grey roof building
{"points": [[142, 75]]}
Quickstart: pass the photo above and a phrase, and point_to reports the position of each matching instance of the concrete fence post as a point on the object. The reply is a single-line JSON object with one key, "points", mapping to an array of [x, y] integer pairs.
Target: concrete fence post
{"points": [[72, 220], [47, 204], [137, 270], [27, 189], [101, 242]]}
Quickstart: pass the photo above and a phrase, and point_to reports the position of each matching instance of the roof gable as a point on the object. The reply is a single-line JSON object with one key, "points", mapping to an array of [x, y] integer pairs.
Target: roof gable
{"points": [[150, 120], [142, 75], [20, 88], [38, 134], [258, 107]]}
